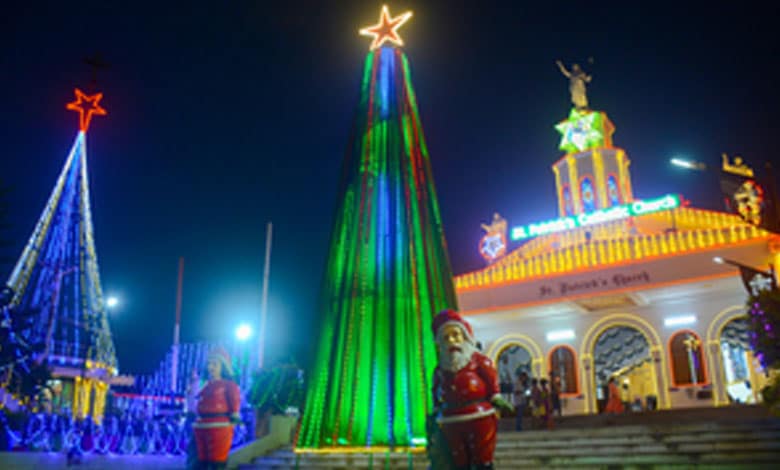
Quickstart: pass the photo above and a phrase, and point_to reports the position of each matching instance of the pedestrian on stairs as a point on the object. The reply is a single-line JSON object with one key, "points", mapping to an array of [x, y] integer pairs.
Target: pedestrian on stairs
{"points": [[537, 405], [614, 403], [522, 393], [547, 415]]}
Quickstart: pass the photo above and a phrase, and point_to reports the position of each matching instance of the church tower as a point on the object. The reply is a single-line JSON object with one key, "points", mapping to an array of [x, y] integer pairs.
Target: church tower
{"points": [[593, 174]]}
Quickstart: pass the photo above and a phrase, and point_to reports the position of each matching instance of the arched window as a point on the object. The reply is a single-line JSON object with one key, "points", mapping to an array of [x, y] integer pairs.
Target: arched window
{"points": [[613, 190], [588, 194], [687, 359], [564, 365], [568, 204]]}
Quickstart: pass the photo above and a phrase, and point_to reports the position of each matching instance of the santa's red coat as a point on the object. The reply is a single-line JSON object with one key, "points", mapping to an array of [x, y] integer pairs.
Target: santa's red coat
{"points": [[466, 394], [468, 419], [219, 401]]}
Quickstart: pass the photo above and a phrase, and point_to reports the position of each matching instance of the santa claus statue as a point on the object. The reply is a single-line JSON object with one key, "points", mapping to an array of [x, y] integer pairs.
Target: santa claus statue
{"points": [[218, 411], [466, 394]]}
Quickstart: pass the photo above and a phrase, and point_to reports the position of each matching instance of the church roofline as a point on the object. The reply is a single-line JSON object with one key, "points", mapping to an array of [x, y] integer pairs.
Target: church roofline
{"points": [[697, 230]]}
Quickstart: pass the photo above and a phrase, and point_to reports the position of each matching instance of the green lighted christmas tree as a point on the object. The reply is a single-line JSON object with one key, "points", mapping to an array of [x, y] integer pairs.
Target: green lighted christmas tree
{"points": [[387, 272]]}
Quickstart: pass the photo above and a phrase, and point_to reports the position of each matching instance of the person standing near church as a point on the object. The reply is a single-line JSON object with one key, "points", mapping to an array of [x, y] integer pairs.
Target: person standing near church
{"points": [[522, 393], [614, 403]]}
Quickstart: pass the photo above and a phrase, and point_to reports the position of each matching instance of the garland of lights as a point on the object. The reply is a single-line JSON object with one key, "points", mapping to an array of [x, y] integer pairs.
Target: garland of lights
{"points": [[161, 436]]}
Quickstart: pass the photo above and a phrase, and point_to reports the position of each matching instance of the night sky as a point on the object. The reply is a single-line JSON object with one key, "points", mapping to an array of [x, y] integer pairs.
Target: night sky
{"points": [[224, 115]]}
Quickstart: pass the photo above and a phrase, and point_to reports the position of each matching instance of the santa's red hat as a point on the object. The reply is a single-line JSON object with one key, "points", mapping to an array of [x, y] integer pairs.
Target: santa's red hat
{"points": [[451, 317], [223, 357]]}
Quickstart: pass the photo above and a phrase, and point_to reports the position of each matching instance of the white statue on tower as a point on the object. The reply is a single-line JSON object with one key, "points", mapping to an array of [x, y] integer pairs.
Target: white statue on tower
{"points": [[577, 80]]}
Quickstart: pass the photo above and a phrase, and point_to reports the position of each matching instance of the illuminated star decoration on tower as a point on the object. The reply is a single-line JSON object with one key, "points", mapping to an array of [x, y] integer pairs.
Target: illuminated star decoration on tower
{"points": [[86, 106], [581, 131], [387, 29]]}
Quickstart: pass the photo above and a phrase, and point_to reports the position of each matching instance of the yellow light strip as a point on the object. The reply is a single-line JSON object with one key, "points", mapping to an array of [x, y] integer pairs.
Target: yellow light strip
{"points": [[625, 177], [600, 253], [559, 191], [574, 184], [362, 450], [598, 173]]}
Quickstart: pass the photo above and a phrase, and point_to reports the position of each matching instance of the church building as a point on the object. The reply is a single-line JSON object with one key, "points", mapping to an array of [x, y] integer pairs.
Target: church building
{"points": [[643, 290]]}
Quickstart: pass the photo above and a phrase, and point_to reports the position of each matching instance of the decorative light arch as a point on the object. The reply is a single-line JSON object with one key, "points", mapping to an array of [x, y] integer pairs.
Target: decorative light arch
{"points": [[722, 319], [656, 351], [518, 339]]}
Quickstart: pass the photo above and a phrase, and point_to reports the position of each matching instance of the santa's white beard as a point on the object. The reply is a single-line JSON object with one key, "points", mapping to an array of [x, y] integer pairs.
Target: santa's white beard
{"points": [[454, 361]]}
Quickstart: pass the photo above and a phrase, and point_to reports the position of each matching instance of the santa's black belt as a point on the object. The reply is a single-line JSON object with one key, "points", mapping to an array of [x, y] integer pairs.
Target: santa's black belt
{"points": [[214, 415], [447, 406]]}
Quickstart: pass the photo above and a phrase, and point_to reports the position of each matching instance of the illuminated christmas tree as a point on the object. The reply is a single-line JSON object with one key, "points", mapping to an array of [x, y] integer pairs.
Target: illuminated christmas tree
{"points": [[387, 272], [57, 277]]}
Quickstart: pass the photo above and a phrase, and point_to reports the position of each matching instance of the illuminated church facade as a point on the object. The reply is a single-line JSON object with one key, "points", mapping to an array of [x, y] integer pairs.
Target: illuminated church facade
{"points": [[620, 287]]}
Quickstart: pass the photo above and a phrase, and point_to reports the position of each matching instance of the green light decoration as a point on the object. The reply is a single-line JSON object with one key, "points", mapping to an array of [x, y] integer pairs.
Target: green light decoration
{"points": [[584, 130], [638, 207], [387, 275]]}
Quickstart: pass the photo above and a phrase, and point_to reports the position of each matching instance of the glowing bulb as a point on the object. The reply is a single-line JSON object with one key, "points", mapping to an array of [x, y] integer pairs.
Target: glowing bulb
{"points": [[112, 302], [717, 260], [243, 332], [688, 164]]}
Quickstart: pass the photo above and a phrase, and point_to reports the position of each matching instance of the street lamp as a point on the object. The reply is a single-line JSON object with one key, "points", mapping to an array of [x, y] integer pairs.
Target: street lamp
{"points": [[688, 164], [112, 302], [243, 332]]}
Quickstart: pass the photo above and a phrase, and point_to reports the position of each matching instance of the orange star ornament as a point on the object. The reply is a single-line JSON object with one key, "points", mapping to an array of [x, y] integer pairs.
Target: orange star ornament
{"points": [[86, 106], [387, 29]]}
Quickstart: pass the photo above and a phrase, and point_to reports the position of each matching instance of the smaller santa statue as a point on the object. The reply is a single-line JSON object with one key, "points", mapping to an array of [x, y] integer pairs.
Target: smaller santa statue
{"points": [[466, 393], [218, 408]]}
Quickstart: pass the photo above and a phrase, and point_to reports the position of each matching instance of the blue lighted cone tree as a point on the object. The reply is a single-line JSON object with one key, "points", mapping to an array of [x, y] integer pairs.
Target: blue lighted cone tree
{"points": [[57, 276], [387, 272]]}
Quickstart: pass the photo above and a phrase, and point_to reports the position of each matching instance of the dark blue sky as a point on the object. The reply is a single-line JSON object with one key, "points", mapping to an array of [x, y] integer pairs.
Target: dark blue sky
{"points": [[224, 115]]}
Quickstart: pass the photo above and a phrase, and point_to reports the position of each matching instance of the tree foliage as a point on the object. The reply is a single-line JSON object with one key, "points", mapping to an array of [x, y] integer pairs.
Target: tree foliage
{"points": [[277, 389]]}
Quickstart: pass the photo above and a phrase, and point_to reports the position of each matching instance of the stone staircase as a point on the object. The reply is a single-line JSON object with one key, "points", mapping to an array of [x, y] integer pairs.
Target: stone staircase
{"points": [[726, 444]]}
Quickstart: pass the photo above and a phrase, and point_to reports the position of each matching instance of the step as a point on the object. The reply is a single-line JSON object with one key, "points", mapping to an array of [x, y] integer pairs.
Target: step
{"points": [[554, 441], [644, 428]]}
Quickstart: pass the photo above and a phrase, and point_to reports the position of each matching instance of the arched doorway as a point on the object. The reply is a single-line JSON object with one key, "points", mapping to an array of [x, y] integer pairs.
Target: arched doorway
{"points": [[624, 353], [743, 376], [506, 342], [512, 361]]}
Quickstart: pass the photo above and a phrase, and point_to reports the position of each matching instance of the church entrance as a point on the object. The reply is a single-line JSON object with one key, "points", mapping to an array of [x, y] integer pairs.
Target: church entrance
{"points": [[623, 352]]}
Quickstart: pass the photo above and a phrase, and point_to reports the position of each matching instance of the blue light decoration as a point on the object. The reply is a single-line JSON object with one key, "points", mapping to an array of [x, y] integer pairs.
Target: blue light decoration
{"points": [[138, 433], [492, 246], [613, 191], [568, 204], [57, 275], [588, 194]]}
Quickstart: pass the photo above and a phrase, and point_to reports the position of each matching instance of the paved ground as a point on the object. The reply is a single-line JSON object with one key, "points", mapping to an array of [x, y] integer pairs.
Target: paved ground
{"points": [[42, 460]]}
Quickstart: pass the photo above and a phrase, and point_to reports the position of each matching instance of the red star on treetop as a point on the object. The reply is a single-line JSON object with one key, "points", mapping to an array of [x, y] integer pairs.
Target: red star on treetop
{"points": [[85, 113], [387, 29]]}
